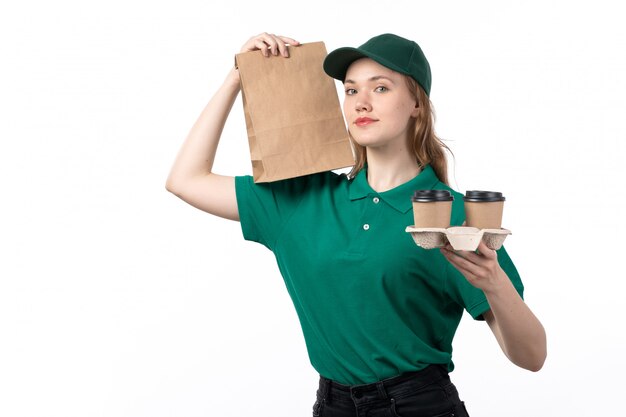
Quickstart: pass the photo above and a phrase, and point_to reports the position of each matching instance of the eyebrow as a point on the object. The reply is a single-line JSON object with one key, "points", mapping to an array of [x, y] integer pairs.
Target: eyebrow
{"points": [[374, 78]]}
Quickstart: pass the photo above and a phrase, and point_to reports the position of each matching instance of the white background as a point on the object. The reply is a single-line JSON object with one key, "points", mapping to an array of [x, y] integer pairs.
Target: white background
{"points": [[117, 299]]}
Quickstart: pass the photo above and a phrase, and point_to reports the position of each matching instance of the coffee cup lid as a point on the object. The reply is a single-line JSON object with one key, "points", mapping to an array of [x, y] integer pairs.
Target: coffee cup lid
{"points": [[478, 196], [429, 196]]}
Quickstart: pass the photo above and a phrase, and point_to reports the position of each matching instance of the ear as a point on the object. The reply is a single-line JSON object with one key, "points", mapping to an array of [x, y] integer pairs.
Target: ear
{"points": [[416, 110]]}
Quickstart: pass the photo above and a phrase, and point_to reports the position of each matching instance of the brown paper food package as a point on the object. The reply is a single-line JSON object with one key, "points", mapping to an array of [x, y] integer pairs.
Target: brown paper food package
{"points": [[294, 121]]}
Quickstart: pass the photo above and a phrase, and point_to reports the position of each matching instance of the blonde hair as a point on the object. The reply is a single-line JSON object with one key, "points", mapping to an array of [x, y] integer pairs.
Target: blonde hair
{"points": [[425, 145]]}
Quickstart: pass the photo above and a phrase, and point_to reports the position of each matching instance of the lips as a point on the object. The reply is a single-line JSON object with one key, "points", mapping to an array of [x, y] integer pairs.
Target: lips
{"points": [[364, 121]]}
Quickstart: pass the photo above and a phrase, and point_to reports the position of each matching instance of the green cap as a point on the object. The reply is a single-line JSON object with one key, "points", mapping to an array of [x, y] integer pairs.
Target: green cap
{"points": [[391, 51]]}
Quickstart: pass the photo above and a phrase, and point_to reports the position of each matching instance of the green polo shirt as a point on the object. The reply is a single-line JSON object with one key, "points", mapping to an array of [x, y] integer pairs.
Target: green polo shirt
{"points": [[371, 303]]}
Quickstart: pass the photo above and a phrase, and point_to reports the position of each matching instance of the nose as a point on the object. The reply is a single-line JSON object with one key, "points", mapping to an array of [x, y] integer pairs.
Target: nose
{"points": [[363, 103]]}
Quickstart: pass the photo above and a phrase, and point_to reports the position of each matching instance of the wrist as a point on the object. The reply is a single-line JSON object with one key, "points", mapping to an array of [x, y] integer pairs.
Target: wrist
{"points": [[232, 79], [498, 284]]}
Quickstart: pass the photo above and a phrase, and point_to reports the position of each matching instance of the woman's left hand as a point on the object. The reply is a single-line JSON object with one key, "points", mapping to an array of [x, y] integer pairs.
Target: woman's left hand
{"points": [[480, 268], [519, 333]]}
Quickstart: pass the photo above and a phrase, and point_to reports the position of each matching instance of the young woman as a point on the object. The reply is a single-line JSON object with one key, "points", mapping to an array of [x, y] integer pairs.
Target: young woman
{"points": [[378, 313]]}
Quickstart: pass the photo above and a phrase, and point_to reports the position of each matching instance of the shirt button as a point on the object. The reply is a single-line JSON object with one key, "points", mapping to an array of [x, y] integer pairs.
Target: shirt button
{"points": [[366, 226], [376, 200]]}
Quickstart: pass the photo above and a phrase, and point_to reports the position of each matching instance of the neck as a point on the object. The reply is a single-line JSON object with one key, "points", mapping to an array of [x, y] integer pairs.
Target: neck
{"points": [[386, 171]]}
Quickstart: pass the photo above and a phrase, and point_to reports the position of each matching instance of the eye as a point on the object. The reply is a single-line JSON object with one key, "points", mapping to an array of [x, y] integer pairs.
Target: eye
{"points": [[350, 91], [381, 89]]}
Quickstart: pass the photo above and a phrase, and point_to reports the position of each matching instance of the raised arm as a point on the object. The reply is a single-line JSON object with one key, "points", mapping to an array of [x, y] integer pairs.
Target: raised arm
{"points": [[191, 177]]}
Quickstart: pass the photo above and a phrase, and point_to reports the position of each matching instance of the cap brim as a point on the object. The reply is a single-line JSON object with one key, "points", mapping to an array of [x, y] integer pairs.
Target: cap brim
{"points": [[337, 62]]}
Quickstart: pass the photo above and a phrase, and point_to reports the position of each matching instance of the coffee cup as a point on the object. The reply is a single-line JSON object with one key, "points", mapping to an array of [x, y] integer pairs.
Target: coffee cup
{"points": [[483, 209], [432, 208]]}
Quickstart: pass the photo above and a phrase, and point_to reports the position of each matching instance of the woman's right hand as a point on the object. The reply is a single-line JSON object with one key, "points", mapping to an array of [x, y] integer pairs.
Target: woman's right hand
{"points": [[268, 43]]}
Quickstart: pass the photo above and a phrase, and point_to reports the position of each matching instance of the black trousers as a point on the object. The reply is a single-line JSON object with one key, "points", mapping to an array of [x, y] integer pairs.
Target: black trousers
{"points": [[425, 393]]}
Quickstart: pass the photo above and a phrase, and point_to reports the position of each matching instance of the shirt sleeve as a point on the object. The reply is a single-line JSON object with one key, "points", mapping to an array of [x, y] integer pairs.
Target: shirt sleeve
{"points": [[472, 298], [264, 208]]}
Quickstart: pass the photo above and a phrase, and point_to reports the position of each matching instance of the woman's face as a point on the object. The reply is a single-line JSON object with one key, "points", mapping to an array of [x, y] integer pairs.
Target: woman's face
{"points": [[377, 105]]}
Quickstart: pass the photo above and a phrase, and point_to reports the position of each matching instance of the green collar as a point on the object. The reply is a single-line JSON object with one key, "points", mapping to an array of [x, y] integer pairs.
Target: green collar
{"points": [[399, 197]]}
